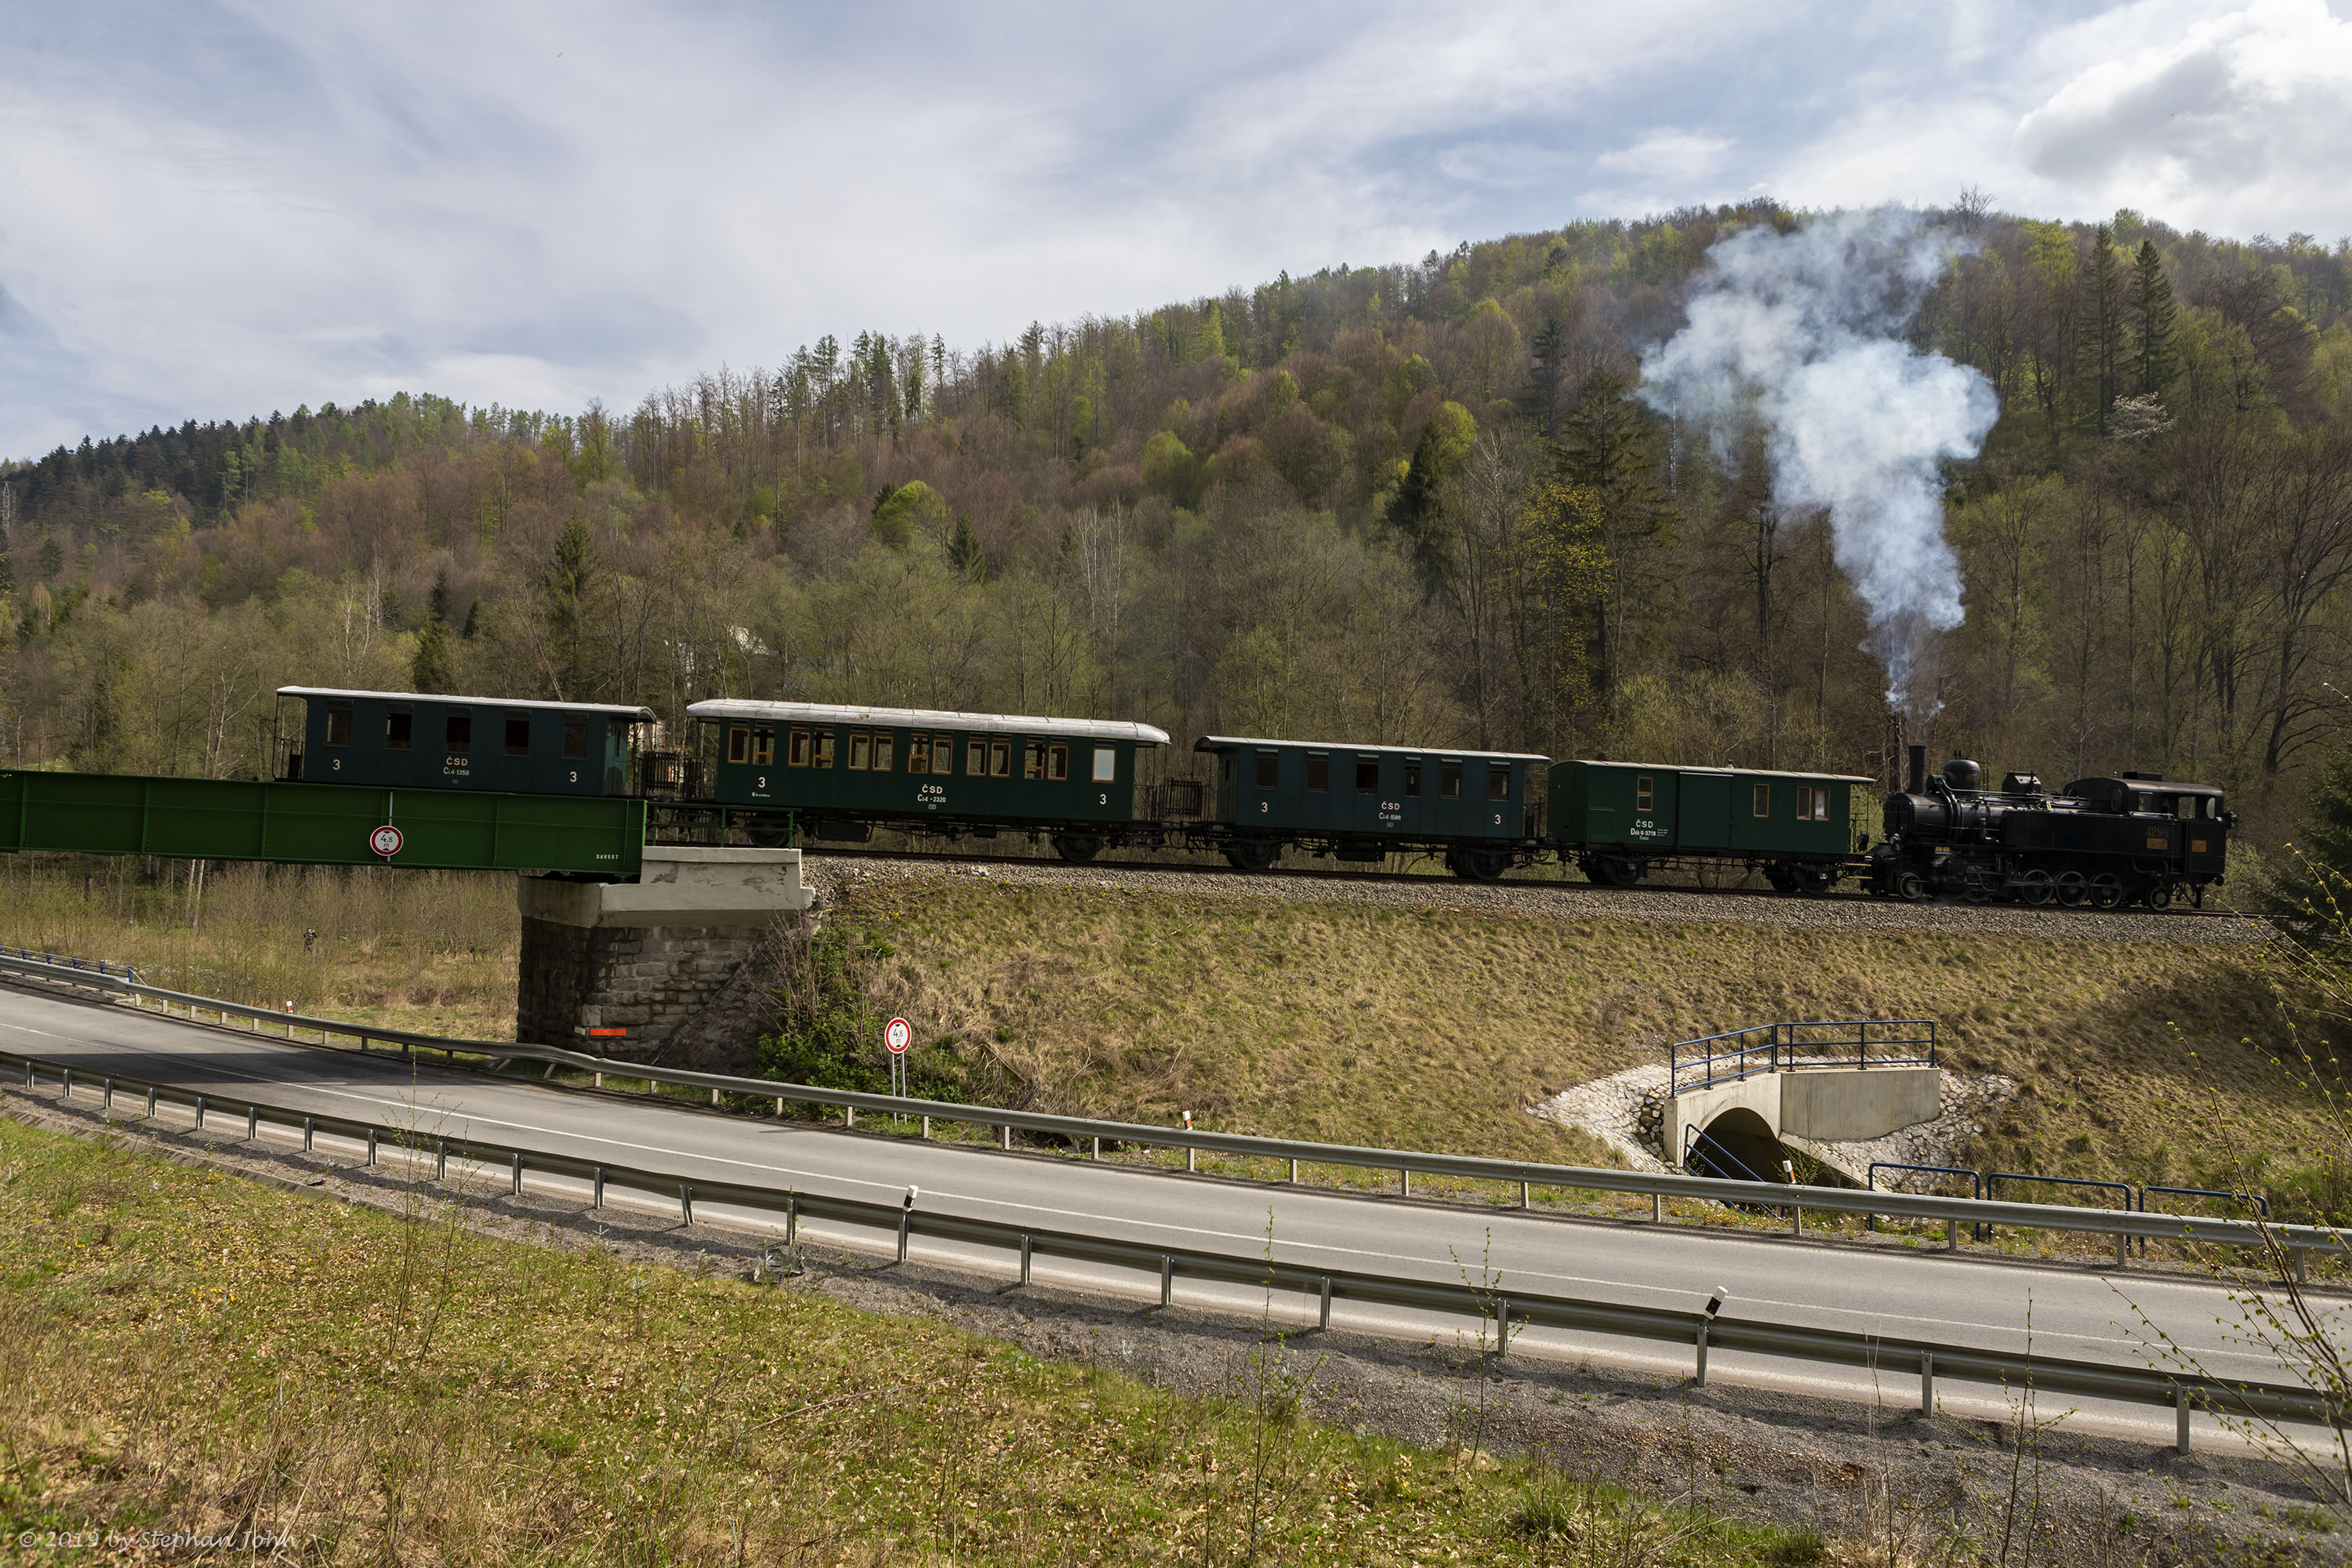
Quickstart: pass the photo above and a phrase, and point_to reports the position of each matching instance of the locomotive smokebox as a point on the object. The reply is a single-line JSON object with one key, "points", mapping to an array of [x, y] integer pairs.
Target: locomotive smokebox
{"points": [[1918, 784], [1963, 774]]}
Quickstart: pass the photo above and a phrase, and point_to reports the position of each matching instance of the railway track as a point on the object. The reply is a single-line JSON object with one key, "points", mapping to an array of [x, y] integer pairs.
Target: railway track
{"points": [[1434, 880]]}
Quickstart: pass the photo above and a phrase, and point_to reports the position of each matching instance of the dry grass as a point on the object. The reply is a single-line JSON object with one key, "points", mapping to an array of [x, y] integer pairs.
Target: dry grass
{"points": [[1433, 1029], [188, 1353], [430, 951]]}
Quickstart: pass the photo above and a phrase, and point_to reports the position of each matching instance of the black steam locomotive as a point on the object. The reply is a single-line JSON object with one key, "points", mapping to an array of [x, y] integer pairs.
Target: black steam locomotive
{"points": [[2100, 842]]}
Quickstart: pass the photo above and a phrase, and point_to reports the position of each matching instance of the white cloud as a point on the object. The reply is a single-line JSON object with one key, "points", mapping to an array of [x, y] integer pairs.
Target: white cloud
{"points": [[1666, 154]]}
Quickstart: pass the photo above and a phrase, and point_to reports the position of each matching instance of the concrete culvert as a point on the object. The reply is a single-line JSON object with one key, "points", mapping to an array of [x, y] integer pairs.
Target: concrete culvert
{"points": [[1737, 1145]]}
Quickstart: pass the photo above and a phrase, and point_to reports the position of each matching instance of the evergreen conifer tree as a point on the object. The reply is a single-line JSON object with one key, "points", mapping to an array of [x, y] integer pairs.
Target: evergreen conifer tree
{"points": [[2151, 303]]}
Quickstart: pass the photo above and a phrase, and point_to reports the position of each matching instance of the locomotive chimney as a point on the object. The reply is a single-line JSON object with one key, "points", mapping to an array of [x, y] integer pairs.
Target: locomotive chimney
{"points": [[1918, 769]]}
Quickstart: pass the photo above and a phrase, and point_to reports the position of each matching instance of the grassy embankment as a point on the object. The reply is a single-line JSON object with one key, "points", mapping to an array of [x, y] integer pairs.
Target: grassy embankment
{"points": [[189, 1353], [1433, 1029]]}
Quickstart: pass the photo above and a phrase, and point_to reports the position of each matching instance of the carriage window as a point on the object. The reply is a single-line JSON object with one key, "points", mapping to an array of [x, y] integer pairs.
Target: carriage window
{"points": [[825, 748], [1000, 759], [860, 748], [518, 738], [576, 737], [1412, 778], [1763, 802], [763, 747], [1820, 805], [1498, 784], [339, 725], [1106, 764], [1804, 803], [1449, 780], [1318, 773], [919, 755], [796, 749], [1367, 778], [1269, 768], [458, 732], [2187, 812], [2144, 801], [975, 757], [1032, 759], [396, 727], [883, 747], [1644, 792]]}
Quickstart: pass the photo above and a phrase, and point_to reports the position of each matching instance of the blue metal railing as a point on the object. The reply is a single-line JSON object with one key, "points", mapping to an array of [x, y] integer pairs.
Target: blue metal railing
{"points": [[1992, 1178], [67, 960], [1776, 1048]]}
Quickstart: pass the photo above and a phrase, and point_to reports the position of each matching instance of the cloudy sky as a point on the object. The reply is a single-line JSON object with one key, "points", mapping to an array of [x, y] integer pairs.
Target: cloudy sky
{"points": [[215, 209]]}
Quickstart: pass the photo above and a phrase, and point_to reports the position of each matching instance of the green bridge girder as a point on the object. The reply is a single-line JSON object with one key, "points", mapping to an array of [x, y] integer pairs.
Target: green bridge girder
{"points": [[320, 824]]}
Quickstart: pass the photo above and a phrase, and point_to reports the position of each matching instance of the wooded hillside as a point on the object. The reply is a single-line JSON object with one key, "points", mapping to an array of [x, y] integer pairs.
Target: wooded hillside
{"points": [[1389, 504]]}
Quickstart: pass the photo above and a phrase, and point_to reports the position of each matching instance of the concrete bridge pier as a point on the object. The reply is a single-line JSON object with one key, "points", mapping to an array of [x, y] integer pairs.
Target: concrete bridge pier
{"points": [[673, 968]]}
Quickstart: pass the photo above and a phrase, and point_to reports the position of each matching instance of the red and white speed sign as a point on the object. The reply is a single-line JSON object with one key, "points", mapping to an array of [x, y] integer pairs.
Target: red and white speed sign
{"points": [[899, 1036], [385, 841]]}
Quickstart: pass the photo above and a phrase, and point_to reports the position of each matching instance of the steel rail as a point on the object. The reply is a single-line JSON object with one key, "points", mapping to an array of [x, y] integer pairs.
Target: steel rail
{"points": [[1499, 1309], [2120, 1224]]}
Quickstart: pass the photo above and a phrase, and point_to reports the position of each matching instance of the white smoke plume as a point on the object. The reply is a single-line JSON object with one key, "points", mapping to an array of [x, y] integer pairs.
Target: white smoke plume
{"points": [[1801, 332]]}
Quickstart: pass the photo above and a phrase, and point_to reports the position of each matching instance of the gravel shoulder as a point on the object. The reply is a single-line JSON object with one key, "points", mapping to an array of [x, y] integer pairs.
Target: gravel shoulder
{"points": [[1561, 900]]}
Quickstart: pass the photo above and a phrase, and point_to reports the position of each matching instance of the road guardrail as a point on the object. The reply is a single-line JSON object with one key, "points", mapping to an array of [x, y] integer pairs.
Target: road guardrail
{"points": [[2298, 1242], [1501, 1310]]}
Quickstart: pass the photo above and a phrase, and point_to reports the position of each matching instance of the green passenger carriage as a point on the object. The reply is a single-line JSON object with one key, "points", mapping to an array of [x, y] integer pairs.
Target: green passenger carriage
{"points": [[1363, 802], [1623, 819], [411, 739], [838, 771]]}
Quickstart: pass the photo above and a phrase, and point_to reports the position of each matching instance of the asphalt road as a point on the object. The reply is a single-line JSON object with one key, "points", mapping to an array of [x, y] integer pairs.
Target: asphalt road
{"points": [[2069, 1311]]}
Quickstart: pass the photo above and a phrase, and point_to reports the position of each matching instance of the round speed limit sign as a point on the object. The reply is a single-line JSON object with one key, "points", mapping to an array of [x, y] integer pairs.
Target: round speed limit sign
{"points": [[385, 841], [899, 1036]]}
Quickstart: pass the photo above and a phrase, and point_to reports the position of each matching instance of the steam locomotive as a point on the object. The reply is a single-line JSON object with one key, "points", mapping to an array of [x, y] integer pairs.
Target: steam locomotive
{"points": [[2103, 842]]}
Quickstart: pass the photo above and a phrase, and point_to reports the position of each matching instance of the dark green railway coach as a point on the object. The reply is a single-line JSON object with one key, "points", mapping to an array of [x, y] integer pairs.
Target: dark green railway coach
{"points": [[412, 739], [1364, 803], [838, 771], [1620, 819]]}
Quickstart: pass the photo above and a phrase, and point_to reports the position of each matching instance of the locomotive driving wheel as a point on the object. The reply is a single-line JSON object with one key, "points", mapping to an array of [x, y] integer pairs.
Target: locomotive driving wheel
{"points": [[2160, 894], [2035, 887], [2106, 892], [2073, 888], [1912, 885]]}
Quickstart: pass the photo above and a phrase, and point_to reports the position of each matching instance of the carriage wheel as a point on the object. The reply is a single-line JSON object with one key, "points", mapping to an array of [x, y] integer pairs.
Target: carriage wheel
{"points": [[2035, 888], [1077, 849], [2072, 888], [1253, 856], [2159, 894], [2106, 892]]}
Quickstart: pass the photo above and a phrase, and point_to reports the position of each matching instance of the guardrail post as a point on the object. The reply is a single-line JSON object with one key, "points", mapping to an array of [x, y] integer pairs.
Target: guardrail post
{"points": [[600, 1080], [2303, 1266], [371, 1159], [310, 1134], [1005, 1139], [1502, 1327], [597, 1202], [1167, 1280], [684, 1203], [905, 1222], [1191, 1162], [714, 1096], [850, 1113], [2123, 1250], [65, 1089], [791, 1219], [151, 1103], [1024, 1257], [440, 1159], [106, 1101], [1405, 1181], [1523, 1196], [518, 1173], [1926, 1383], [2181, 1417], [1095, 1154], [1796, 1220], [200, 1113], [1699, 1379], [1657, 1208], [1293, 1173], [1952, 1233], [1324, 1322], [252, 1122]]}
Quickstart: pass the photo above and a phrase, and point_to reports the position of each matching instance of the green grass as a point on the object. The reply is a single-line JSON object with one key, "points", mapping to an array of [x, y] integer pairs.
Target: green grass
{"points": [[187, 1351], [2151, 1061]]}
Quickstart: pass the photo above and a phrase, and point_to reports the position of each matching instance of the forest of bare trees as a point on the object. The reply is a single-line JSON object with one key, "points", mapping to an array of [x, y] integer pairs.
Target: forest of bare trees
{"points": [[1410, 502]]}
